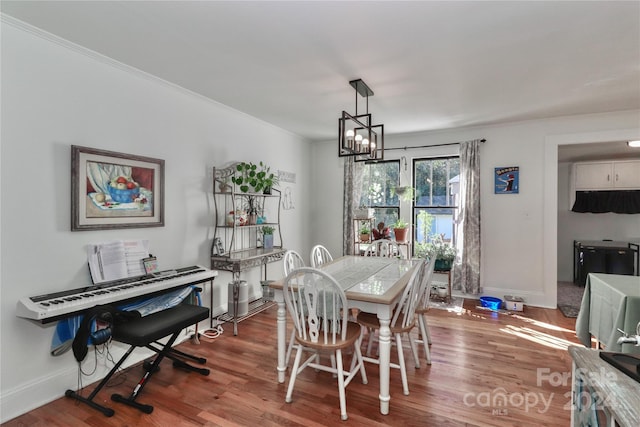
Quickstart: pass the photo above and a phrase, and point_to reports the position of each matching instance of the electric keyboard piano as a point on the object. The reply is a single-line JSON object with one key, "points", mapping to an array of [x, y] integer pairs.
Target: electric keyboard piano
{"points": [[54, 306]]}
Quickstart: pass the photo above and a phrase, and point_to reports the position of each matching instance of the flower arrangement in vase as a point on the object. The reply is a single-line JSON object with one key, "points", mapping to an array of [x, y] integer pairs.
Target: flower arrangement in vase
{"points": [[444, 252]]}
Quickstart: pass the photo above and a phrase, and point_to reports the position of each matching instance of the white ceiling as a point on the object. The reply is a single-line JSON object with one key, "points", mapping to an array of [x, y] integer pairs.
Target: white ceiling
{"points": [[432, 65]]}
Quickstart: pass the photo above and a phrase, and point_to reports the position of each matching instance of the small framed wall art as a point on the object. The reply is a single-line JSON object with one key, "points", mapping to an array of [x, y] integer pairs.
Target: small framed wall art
{"points": [[115, 190], [507, 180]]}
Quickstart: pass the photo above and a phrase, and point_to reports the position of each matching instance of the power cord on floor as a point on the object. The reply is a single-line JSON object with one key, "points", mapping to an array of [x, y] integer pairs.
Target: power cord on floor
{"points": [[213, 332]]}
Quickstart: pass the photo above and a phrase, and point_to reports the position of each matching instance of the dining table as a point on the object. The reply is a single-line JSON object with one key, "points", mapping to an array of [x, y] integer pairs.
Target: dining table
{"points": [[611, 302], [372, 285]]}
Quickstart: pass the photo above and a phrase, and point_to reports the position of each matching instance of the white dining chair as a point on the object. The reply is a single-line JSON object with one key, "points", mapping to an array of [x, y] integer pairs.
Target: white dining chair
{"points": [[383, 248], [402, 322], [422, 309], [292, 261], [320, 255], [318, 307]]}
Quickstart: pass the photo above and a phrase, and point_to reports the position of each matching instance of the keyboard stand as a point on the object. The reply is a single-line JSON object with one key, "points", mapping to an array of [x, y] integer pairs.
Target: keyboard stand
{"points": [[145, 332]]}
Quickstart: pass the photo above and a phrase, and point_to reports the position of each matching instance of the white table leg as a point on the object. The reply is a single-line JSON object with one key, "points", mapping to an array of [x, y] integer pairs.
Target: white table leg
{"points": [[282, 338], [385, 356]]}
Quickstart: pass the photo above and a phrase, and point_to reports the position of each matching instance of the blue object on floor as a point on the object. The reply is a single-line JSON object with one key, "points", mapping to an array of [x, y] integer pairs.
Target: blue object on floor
{"points": [[491, 302]]}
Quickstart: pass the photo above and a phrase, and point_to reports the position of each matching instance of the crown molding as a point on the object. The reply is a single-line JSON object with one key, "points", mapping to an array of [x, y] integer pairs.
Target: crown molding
{"points": [[45, 35]]}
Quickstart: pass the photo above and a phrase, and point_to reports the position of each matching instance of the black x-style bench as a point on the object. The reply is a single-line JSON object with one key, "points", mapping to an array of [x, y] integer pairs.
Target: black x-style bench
{"points": [[145, 332]]}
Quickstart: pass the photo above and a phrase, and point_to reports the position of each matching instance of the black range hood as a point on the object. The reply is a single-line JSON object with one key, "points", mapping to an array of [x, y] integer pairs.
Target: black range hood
{"points": [[618, 201]]}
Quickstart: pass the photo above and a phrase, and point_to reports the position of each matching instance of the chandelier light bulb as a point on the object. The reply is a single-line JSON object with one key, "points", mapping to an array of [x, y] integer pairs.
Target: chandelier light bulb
{"points": [[365, 145], [358, 142], [349, 138]]}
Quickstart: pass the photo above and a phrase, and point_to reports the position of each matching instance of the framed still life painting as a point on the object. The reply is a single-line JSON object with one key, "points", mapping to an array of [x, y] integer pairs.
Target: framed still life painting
{"points": [[507, 180], [115, 190]]}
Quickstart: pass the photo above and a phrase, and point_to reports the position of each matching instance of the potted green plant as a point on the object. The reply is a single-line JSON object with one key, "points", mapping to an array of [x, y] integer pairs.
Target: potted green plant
{"points": [[257, 178], [444, 252], [267, 236], [246, 173], [400, 228], [365, 231], [268, 179]]}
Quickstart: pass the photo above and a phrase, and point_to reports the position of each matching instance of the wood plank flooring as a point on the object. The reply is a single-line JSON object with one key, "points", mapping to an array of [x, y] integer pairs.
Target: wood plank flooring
{"points": [[488, 369]]}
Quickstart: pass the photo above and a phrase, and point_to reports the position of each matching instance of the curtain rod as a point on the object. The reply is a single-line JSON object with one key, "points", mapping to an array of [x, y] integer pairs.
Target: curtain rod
{"points": [[427, 146]]}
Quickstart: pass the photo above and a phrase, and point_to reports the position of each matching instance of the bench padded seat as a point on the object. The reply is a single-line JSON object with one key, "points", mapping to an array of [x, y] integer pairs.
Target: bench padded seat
{"points": [[144, 330]]}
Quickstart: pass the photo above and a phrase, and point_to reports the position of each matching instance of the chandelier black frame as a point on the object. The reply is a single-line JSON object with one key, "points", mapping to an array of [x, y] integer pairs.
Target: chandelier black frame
{"points": [[357, 137]]}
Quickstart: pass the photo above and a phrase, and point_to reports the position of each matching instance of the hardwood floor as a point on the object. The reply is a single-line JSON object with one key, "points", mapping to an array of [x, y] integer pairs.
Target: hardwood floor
{"points": [[488, 369]]}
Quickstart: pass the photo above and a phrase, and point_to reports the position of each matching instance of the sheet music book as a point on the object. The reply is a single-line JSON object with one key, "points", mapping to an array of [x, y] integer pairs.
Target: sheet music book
{"points": [[117, 259]]}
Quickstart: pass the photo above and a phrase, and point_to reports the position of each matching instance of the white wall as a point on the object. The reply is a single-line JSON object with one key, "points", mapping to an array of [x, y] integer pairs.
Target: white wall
{"points": [[519, 231], [586, 226], [53, 96]]}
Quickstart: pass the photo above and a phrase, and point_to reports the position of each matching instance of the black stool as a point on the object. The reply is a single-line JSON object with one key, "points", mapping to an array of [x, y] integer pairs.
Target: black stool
{"points": [[145, 332]]}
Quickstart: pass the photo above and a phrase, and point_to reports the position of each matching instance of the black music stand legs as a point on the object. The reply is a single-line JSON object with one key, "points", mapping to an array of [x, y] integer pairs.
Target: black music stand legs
{"points": [[144, 332]]}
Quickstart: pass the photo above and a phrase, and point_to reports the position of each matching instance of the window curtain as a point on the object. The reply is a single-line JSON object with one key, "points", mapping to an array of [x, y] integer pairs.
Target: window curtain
{"points": [[353, 172], [466, 267]]}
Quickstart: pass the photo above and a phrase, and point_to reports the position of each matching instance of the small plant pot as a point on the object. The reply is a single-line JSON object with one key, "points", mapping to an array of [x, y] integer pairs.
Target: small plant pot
{"points": [[364, 237], [401, 234], [268, 241]]}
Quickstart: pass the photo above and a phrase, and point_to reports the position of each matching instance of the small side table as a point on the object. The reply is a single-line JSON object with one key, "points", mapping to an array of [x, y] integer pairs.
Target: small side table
{"points": [[448, 273]]}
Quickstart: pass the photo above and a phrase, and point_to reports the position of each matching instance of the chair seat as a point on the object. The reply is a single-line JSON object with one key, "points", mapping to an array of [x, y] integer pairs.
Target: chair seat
{"points": [[369, 320], [353, 333], [422, 310]]}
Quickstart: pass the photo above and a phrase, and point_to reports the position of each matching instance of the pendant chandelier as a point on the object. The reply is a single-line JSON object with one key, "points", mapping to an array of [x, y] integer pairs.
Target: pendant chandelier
{"points": [[357, 137]]}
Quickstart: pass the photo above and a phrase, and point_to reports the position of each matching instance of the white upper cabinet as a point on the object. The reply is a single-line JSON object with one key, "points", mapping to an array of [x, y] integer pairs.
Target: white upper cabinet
{"points": [[626, 174], [593, 176], [622, 175]]}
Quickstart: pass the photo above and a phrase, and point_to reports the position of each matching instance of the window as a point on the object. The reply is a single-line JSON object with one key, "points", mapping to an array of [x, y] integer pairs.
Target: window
{"points": [[379, 183], [437, 183]]}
